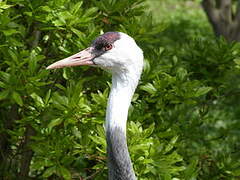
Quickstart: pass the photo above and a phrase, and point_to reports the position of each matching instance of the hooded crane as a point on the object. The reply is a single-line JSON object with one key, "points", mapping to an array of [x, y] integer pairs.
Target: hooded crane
{"points": [[119, 54]]}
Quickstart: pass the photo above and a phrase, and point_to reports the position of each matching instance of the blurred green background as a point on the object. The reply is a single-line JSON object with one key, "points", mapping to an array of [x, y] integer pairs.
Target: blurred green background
{"points": [[184, 121]]}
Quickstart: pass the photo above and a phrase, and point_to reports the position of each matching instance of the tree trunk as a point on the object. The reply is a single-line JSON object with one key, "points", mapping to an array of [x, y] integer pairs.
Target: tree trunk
{"points": [[27, 152], [224, 21], [5, 144]]}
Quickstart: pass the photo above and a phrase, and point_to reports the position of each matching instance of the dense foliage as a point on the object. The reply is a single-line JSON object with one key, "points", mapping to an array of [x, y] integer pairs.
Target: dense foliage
{"points": [[184, 119]]}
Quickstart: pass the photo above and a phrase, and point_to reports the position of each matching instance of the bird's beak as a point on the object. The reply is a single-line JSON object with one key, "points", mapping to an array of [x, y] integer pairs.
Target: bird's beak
{"points": [[84, 57]]}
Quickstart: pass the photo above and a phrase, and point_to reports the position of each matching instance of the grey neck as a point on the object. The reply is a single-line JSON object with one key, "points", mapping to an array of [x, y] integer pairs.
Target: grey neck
{"points": [[119, 162]]}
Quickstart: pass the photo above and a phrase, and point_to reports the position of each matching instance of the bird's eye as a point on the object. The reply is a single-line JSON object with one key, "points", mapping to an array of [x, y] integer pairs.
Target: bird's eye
{"points": [[108, 47]]}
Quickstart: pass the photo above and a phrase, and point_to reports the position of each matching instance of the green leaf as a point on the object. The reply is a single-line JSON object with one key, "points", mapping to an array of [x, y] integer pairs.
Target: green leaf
{"points": [[59, 22], [237, 61], [149, 130], [191, 169], [38, 100], [2, 84], [4, 76], [171, 144], [28, 14], [60, 87], [98, 140], [76, 7], [77, 32], [146, 65], [236, 172], [202, 90], [55, 122], [64, 50], [65, 173], [90, 12], [45, 8], [50, 171], [181, 73], [17, 98], [3, 5], [13, 55], [65, 75], [47, 97], [9, 32], [4, 94], [149, 88]]}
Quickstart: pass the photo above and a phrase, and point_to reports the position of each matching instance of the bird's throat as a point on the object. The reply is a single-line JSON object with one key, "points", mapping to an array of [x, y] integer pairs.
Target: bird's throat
{"points": [[119, 101], [119, 162]]}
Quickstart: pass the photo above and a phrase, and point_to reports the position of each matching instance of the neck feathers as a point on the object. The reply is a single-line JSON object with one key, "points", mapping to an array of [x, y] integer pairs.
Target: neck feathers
{"points": [[119, 101], [119, 162]]}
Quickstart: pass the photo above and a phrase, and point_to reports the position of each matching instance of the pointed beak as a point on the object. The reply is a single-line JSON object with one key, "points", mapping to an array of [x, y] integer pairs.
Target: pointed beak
{"points": [[84, 57]]}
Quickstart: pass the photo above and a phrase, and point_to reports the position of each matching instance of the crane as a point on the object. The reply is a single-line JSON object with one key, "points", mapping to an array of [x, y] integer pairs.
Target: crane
{"points": [[119, 54]]}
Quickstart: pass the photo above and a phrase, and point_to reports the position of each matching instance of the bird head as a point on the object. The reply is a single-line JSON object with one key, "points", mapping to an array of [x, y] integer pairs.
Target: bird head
{"points": [[113, 51]]}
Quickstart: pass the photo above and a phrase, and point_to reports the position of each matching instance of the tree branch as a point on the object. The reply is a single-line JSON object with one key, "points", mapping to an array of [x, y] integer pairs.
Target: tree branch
{"points": [[37, 35], [94, 174], [225, 3], [226, 10], [213, 14], [237, 18], [5, 144], [27, 152], [224, 23], [236, 24]]}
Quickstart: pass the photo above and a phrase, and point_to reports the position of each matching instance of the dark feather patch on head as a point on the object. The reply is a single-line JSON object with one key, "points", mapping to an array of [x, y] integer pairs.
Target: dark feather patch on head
{"points": [[105, 39]]}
